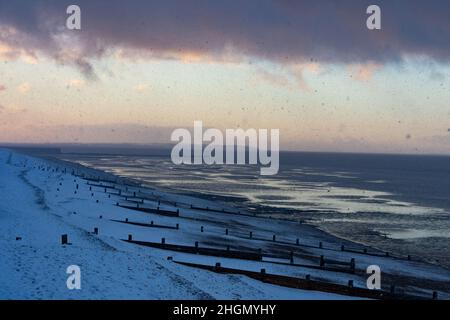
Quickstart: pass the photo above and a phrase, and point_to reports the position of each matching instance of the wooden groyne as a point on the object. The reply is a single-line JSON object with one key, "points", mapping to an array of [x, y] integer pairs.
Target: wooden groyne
{"points": [[227, 253], [307, 283], [257, 255], [148, 225], [157, 210]]}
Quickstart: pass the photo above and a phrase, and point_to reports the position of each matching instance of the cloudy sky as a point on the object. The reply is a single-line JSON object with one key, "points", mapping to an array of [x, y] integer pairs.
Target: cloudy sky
{"points": [[312, 69]]}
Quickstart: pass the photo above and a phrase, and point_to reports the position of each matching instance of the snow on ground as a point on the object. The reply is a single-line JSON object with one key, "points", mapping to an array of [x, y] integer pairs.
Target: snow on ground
{"points": [[40, 204], [35, 267]]}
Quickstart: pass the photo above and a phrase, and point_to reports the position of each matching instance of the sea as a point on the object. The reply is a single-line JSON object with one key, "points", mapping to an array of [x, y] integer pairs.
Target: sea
{"points": [[397, 203]]}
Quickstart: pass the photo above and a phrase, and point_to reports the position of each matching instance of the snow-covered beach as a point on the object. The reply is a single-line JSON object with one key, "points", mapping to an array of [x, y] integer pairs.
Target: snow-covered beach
{"points": [[43, 199]]}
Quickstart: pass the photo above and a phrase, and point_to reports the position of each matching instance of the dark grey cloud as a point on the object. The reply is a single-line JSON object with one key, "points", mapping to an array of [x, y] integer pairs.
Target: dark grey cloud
{"points": [[282, 31]]}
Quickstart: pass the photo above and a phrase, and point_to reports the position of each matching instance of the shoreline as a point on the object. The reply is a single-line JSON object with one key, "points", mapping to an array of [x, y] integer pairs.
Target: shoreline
{"points": [[209, 197], [58, 194], [311, 223]]}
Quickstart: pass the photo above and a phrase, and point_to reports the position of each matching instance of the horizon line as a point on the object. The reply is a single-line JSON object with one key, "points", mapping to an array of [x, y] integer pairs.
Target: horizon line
{"points": [[7, 145]]}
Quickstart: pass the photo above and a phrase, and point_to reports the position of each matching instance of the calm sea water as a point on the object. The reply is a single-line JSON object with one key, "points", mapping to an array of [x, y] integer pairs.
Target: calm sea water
{"points": [[392, 202]]}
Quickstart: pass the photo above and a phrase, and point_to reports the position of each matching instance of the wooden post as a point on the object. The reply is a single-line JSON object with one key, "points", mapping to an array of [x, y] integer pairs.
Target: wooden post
{"points": [[409, 257], [196, 245], [126, 219], [342, 248], [151, 222], [263, 271], [297, 242], [163, 240], [291, 256], [217, 267], [352, 264], [130, 237], [95, 230], [365, 250], [251, 234], [178, 226], [226, 231], [201, 229], [320, 245], [64, 239], [322, 261], [274, 238], [350, 283]]}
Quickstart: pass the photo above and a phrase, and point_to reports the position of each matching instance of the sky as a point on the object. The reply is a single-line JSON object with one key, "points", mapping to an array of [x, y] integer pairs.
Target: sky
{"points": [[139, 69]]}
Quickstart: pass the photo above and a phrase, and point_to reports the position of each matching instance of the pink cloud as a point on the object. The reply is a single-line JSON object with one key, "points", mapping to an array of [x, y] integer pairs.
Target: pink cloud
{"points": [[364, 72]]}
